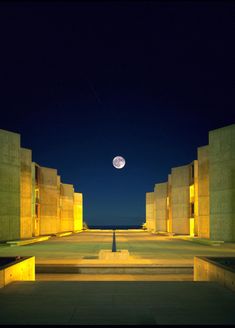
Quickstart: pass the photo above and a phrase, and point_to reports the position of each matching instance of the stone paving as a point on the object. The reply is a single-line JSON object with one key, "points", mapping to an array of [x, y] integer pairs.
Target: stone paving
{"points": [[116, 303]]}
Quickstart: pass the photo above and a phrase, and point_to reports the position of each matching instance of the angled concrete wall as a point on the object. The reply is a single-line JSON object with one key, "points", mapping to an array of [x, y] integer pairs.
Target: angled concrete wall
{"points": [[203, 192], [78, 211], [9, 185], [161, 206], [67, 207], [25, 193], [58, 205], [180, 180], [222, 183], [150, 207], [48, 200]]}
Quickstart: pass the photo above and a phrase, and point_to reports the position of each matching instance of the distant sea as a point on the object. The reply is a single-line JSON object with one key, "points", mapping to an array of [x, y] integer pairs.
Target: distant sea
{"points": [[114, 227]]}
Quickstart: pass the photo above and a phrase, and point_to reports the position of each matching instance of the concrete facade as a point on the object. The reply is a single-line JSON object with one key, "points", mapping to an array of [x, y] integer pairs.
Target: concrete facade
{"points": [[161, 206], [222, 183], [200, 197], [9, 185], [33, 201]]}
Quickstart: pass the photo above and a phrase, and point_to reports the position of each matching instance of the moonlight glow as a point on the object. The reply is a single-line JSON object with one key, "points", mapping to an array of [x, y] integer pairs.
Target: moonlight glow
{"points": [[119, 162]]}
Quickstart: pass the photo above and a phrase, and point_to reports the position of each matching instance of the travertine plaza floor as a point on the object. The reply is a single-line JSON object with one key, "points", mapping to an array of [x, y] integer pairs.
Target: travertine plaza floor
{"points": [[143, 247], [116, 299]]}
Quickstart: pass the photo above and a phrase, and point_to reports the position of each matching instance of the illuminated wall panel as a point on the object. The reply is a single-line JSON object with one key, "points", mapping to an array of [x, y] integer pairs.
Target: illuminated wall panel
{"points": [[203, 192], [67, 207], [78, 211], [180, 181], [150, 206], [48, 200], [161, 206]]}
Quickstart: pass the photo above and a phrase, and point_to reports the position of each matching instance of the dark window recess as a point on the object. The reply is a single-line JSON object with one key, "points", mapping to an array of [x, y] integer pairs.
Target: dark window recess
{"points": [[192, 171], [36, 173], [36, 210], [192, 210]]}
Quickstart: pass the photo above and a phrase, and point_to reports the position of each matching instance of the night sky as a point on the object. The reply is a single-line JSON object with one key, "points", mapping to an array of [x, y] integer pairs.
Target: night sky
{"points": [[83, 82]]}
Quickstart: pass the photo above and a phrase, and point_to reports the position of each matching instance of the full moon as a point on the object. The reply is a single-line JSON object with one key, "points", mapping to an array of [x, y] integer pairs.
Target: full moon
{"points": [[119, 162]]}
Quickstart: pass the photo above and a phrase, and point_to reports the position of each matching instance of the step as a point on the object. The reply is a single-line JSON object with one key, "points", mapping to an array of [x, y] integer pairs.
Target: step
{"points": [[112, 269]]}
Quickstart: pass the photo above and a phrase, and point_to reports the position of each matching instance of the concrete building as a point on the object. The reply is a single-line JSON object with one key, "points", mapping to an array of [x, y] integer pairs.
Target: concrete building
{"points": [[33, 201], [200, 197]]}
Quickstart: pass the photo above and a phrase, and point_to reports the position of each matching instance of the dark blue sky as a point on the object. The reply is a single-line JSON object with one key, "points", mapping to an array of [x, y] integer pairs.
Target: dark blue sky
{"points": [[84, 82]]}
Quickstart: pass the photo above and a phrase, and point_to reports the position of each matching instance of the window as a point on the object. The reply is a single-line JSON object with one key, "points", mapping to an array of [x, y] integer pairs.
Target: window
{"points": [[192, 171], [36, 173]]}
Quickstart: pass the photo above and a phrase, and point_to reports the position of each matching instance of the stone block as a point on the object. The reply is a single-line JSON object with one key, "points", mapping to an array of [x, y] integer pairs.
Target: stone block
{"points": [[108, 255]]}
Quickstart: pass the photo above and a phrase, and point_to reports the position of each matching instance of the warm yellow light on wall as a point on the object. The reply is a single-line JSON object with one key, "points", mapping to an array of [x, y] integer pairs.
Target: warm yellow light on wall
{"points": [[191, 226], [168, 225], [167, 201], [191, 192]]}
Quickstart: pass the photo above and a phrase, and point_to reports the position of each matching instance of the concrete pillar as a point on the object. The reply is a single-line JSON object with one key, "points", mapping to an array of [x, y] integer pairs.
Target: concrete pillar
{"points": [[203, 192], [10, 185], [169, 205], [150, 206], [25, 193], [222, 183], [195, 182], [58, 205], [161, 206]]}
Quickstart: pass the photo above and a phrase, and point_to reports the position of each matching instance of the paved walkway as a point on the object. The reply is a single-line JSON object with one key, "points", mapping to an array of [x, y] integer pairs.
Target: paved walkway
{"points": [[119, 302]]}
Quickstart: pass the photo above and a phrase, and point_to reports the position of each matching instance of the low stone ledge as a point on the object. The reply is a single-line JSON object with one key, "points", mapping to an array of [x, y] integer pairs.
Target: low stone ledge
{"points": [[16, 268]]}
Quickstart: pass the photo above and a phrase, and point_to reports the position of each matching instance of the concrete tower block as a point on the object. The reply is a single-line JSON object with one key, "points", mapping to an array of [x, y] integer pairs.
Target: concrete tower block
{"points": [[222, 183], [25, 193], [67, 207], [10, 185], [161, 206], [48, 200], [180, 181], [203, 192]]}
